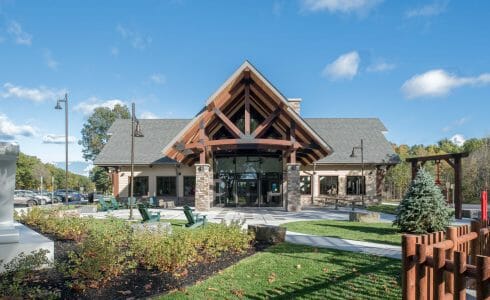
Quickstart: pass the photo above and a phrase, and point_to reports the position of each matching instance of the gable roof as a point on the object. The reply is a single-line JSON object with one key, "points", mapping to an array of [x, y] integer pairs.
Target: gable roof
{"points": [[224, 95], [342, 134]]}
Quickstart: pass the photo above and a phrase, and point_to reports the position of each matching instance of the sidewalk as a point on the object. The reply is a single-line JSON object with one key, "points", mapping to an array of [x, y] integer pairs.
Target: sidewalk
{"points": [[345, 245]]}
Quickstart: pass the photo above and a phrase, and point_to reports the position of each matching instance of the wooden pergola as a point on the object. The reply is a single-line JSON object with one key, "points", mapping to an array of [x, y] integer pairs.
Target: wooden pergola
{"points": [[225, 123], [454, 160]]}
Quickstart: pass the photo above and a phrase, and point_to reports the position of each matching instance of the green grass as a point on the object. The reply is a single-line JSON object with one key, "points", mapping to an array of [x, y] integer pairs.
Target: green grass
{"points": [[383, 208], [383, 233], [288, 271]]}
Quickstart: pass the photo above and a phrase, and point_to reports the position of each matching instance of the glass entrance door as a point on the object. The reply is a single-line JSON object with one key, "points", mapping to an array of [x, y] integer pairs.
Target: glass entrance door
{"points": [[247, 192]]}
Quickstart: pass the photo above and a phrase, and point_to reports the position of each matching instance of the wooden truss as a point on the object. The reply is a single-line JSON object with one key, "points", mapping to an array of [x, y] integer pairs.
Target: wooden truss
{"points": [[244, 99]]}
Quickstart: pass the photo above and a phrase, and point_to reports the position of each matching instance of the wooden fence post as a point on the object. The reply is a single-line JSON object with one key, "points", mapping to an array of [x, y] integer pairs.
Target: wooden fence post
{"points": [[421, 290], [452, 234], [408, 266], [482, 277], [459, 278], [474, 251], [439, 263]]}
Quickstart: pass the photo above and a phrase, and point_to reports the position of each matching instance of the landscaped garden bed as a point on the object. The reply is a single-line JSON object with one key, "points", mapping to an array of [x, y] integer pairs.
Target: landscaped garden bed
{"points": [[107, 259], [382, 232]]}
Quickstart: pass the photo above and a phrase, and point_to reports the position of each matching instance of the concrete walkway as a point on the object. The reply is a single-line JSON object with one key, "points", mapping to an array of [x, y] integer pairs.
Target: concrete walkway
{"points": [[344, 244]]}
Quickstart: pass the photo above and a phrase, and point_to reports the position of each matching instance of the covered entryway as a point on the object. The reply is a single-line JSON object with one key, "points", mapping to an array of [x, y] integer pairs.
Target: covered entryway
{"points": [[247, 144]]}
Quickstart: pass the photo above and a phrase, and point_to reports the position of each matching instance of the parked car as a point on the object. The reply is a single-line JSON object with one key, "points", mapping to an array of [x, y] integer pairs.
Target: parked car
{"points": [[46, 196], [72, 195], [28, 198]]}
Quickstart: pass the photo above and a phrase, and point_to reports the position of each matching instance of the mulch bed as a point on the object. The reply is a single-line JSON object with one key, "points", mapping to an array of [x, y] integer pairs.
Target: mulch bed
{"points": [[138, 283]]}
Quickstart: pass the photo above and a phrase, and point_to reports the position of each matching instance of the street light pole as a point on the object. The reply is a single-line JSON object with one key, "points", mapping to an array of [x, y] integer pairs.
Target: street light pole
{"points": [[363, 182], [135, 132], [131, 191], [58, 106]]}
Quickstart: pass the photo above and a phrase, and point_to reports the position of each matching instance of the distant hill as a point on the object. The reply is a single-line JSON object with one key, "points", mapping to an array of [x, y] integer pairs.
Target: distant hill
{"points": [[77, 167]]}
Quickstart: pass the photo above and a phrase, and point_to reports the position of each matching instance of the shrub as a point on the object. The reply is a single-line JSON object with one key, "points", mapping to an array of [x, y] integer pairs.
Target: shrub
{"points": [[15, 281], [423, 208], [103, 254], [174, 253]]}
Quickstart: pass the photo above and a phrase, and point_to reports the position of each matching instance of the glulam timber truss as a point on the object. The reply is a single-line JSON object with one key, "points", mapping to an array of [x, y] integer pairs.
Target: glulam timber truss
{"points": [[247, 112]]}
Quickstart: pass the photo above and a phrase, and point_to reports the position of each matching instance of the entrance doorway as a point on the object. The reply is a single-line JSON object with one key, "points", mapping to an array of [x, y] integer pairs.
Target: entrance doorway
{"points": [[248, 180], [247, 192]]}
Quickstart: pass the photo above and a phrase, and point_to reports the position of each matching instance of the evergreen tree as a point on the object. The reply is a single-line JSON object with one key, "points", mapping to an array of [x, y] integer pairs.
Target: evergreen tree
{"points": [[423, 208]]}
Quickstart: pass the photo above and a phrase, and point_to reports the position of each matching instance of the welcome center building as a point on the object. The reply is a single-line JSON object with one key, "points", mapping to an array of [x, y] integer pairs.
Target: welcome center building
{"points": [[249, 146]]}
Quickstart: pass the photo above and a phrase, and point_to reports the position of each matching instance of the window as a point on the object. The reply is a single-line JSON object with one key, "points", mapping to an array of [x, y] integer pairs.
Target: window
{"points": [[140, 186], [166, 186], [355, 185], [189, 186], [305, 185], [329, 185]]}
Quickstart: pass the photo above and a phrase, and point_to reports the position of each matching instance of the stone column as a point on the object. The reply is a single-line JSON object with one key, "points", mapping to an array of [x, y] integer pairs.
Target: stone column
{"points": [[8, 159], [294, 194], [204, 187]]}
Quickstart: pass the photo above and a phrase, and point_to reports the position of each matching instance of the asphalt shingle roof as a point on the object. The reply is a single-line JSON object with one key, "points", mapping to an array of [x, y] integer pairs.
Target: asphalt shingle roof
{"points": [[148, 149], [341, 134]]}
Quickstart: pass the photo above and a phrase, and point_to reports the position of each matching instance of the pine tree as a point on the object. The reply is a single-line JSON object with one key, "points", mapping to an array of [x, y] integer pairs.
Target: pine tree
{"points": [[423, 208]]}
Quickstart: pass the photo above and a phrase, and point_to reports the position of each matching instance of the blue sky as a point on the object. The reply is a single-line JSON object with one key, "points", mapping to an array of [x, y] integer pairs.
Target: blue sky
{"points": [[422, 67]]}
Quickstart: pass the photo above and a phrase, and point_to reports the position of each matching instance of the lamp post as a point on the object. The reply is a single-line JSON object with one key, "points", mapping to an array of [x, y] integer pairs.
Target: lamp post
{"points": [[58, 106], [353, 154], [135, 132]]}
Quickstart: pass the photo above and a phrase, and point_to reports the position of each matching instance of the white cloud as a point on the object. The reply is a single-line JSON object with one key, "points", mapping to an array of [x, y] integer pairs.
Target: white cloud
{"points": [[345, 66], [87, 107], [438, 82], [380, 67], [50, 61], [34, 94], [148, 115], [158, 78], [458, 139], [342, 6], [9, 130], [57, 139], [136, 40], [428, 10], [20, 36]]}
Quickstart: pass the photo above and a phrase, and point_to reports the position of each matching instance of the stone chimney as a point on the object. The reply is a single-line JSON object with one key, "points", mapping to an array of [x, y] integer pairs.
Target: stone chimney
{"points": [[295, 104]]}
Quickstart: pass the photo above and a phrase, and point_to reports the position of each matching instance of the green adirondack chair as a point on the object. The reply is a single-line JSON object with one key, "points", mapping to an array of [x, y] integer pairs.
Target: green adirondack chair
{"points": [[103, 204], [193, 220], [153, 202], [145, 214], [114, 203], [129, 201]]}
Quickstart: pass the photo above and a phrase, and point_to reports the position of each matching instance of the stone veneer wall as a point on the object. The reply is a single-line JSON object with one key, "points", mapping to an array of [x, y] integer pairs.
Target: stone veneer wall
{"points": [[293, 183], [204, 187]]}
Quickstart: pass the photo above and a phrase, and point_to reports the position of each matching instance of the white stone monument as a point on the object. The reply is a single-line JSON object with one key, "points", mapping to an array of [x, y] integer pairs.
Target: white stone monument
{"points": [[8, 159], [15, 238]]}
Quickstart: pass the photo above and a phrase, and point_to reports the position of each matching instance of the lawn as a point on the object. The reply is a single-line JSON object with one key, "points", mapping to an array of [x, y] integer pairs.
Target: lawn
{"points": [[383, 208], [383, 233], [288, 271]]}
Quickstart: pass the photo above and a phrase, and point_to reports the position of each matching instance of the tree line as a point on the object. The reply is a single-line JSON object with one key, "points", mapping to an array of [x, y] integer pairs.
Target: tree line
{"points": [[476, 167], [30, 169]]}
